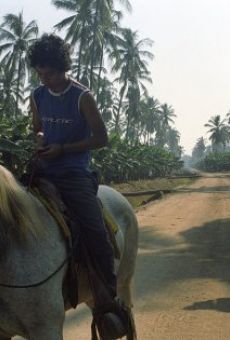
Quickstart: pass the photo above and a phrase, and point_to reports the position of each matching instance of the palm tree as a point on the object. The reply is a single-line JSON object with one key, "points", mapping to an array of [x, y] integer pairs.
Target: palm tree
{"points": [[167, 114], [173, 139], [219, 132], [131, 63], [17, 37], [33, 81], [77, 24], [117, 123], [149, 119], [89, 27], [105, 25], [109, 42], [198, 151], [9, 91]]}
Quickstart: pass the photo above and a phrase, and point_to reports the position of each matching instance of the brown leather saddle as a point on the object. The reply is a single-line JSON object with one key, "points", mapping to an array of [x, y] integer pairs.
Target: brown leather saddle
{"points": [[49, 195]]}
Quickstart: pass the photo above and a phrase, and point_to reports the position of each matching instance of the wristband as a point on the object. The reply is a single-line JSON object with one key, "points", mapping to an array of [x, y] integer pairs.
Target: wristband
{"points": [[40, 134]]}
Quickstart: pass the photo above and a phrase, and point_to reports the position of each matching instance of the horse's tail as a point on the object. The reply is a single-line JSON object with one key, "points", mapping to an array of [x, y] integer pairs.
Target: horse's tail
{"points": [[17, 206]]}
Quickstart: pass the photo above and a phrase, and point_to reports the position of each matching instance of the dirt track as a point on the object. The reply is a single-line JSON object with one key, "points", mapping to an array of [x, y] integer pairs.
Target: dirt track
{"points": [[182, 281]]}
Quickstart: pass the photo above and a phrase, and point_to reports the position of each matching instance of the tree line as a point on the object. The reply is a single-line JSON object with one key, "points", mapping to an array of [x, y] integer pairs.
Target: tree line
{"points": [[214, 156], [114, 63]]}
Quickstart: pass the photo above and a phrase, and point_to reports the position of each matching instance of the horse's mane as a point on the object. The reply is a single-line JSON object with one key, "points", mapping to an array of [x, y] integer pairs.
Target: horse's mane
{"points": [[18, 212]]}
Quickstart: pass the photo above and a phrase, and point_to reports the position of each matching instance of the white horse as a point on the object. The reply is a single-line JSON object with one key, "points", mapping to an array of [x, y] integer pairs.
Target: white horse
{"points": [[32, 247]]}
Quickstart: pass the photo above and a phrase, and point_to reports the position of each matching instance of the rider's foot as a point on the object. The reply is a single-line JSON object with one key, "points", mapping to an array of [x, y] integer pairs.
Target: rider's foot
{"points": [[112, 326], [113, 323]]}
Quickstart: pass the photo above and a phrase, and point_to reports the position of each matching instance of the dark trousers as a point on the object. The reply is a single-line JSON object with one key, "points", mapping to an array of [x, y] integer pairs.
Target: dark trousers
{"points": [[79, 191]]}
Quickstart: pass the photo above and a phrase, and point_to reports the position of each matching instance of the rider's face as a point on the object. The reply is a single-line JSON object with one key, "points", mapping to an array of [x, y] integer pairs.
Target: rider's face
{"points": [[49, 76]]}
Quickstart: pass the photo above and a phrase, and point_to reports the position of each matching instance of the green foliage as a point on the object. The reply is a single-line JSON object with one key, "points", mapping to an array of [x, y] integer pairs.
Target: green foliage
{"points": [[215, 162], [219, 133], [120, 162], [16, 143], [216, 156]]}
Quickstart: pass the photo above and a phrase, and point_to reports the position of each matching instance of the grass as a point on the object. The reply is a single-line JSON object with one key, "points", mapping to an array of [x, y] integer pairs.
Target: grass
{"points": [[155, 184]]}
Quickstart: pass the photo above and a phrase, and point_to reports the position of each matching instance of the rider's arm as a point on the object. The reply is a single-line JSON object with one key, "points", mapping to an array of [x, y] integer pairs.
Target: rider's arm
{"points": [[99, 136]]}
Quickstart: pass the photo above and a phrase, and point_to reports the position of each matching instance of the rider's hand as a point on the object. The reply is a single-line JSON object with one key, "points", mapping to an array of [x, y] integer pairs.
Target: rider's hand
{"points": [[50, 151], [40, 140]]}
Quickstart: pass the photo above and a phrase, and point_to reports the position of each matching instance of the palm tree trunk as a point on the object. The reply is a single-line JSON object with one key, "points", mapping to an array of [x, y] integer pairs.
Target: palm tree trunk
{"points": [[119, 107], [122, 92], [80, 51], [127, 127], [93, 46], [18, 85], [102, 98], [100, 70]]}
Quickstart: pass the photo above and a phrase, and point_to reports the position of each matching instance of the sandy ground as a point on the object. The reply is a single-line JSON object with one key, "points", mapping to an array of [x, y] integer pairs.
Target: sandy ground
{"points": [[182, 280]]}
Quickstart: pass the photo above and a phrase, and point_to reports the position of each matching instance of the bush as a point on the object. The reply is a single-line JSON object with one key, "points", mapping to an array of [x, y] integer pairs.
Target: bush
{"points": [[121, 162], [16, 143], [215, 162]]}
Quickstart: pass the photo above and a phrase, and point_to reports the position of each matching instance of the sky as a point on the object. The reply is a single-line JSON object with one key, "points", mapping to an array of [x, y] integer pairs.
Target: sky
{"points": [[191, 66]]}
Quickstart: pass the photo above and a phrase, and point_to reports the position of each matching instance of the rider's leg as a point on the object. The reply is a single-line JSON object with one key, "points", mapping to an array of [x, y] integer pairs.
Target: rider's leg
{"points": [[79, 193]]}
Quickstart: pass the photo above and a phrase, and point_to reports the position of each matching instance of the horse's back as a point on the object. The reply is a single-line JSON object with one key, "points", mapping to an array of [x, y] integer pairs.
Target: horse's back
{"points": [[118, 206]]}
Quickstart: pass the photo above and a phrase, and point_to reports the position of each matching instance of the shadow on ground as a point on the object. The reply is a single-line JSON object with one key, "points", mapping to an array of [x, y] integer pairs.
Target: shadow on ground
{"points": [[221, 305], [150, 238], [206, 255]]}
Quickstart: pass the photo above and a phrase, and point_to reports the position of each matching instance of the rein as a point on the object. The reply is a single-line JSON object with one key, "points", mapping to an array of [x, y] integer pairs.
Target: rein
{"points": [[34, 159], [39, 283], [43, 281]]}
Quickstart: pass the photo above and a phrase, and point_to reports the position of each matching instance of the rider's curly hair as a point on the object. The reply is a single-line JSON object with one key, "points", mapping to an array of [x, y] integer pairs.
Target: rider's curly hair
{"points": [[50, 51]]}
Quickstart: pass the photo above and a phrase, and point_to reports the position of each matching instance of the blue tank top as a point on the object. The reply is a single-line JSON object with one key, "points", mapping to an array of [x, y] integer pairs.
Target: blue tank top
{"points": [[62, 123]]}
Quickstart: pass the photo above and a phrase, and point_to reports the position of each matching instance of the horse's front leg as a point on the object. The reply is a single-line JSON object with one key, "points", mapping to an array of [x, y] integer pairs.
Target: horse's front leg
{"points": [[49, 329], [45, 334]]}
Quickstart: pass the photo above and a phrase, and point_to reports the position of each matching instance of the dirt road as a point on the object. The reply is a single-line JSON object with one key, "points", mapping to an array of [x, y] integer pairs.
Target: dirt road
{"points": [[182, 281]]}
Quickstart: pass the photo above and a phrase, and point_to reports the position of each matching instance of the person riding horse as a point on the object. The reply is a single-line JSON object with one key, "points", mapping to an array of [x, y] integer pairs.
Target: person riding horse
{"points": [[67, 124]]}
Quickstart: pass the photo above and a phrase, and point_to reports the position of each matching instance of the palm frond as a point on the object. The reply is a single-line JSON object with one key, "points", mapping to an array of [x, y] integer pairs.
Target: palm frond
{"points": [[64, 23], [69, 5], [6, 35]]}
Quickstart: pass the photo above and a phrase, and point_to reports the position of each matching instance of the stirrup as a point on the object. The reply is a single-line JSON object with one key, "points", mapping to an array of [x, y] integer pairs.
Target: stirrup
{"points": [[112, 327], [112, 321]]}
